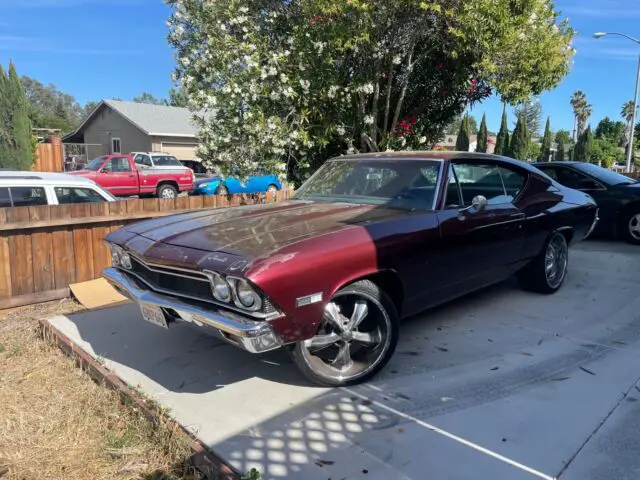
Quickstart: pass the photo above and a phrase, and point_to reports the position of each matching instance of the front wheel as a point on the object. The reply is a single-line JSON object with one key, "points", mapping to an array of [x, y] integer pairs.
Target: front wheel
{"points": [[222, 190], [355, 339], [547, 271], [630, 227], [272, 189]]}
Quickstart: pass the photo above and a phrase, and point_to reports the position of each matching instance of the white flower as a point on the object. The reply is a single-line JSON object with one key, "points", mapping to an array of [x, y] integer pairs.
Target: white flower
{"points": [[272, 72], [332, 91], [368, 120], [319, 46], [274, 96], [422, 140], [223, 27], [243, 9], [341, 131], [284, 78], [403, 142], [286, 53], [397, 59], [305, 84], [288, 92], [241, 19], [301, 67]]}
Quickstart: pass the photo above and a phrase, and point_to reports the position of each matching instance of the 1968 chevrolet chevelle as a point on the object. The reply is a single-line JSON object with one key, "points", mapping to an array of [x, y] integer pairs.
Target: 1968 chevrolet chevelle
{"points": [[366, 241]]}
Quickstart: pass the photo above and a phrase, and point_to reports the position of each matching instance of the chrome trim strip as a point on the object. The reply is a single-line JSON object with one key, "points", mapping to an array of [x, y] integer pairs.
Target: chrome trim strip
{"points": [[230, 306], [250, 335], [195, 273], [439, 181]]}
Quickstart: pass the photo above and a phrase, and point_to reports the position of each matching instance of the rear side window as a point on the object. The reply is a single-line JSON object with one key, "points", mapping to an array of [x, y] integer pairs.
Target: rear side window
{"points": [[5, 199], [143, 160], [166, 161], [28, 196], [77, 195]]}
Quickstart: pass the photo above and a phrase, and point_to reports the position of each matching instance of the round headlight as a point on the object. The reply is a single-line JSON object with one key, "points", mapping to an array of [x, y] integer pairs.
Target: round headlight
{"points": [[125, 260], [221, 288], [247, 296], [116, 255]]}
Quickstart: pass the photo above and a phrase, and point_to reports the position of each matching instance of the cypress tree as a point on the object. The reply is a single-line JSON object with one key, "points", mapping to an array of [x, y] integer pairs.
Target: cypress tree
{"points": [[520, 140], [502, 141], [560, 153], [583, 146], [21, 124], [545, 150], [482, 136], [5, 120], [462, 142]]}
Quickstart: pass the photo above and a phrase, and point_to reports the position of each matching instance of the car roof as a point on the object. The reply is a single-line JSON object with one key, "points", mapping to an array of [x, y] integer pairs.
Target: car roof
{"points": [[563, 162], [37, 178], [437, 155]]}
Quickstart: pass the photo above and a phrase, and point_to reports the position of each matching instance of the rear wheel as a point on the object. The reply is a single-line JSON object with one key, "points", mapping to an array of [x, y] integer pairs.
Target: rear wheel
{"points": [[630, 227], [355, 339], [272, 189], [547, 271], [167, 191], [222, 190]]}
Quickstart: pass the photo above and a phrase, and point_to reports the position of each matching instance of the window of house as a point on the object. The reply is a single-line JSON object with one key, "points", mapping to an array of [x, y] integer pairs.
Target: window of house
{"points": [[28, 196], [118, 164], [115, 145], [77, 195]]}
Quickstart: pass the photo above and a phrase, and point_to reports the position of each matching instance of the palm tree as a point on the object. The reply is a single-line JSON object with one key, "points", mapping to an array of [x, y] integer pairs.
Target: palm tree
{"points": [[627, 114], [581, 110]]}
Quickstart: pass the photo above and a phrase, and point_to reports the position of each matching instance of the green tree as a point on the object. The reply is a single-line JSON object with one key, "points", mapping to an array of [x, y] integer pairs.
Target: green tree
{"points": [[149, 98], [582, 150], [15, 126], [463, 138], [531, 110], [283, 85], [454, 127], [502, 140], [519, 147], [49, 107], [605, 152], [559, 157], [90, 107], [545, 147], [178, 98], [611, 131], [482, 136]]}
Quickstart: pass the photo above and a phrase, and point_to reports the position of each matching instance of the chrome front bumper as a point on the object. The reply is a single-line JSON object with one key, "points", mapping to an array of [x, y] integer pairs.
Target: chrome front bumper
{"points": [[254, 336]]}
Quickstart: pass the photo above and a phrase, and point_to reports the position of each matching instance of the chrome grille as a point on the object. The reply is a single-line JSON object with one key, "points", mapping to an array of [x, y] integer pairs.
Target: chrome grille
{"points": [[185, 283]]}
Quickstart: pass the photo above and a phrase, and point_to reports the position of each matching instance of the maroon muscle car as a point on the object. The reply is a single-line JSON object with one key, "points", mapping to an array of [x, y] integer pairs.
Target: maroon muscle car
{"points": [[366, 241]]}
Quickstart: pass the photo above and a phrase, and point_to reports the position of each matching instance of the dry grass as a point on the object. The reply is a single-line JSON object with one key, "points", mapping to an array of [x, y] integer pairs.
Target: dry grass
{"points": [[56, 423]]}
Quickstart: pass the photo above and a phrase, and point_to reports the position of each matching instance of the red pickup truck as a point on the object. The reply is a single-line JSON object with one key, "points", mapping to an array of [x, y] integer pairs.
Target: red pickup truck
{"points": [[119, 175]]}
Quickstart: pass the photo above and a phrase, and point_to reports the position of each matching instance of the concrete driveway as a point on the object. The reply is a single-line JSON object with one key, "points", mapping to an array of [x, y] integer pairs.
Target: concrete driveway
{"points": [[500, 385]]}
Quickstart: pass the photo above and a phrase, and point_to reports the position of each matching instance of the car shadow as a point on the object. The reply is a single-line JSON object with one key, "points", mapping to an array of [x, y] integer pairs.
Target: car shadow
{"points": [[184, 358]]}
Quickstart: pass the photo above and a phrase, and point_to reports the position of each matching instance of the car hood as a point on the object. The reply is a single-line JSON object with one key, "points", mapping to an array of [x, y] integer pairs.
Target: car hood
{"points": [[257, 231]]}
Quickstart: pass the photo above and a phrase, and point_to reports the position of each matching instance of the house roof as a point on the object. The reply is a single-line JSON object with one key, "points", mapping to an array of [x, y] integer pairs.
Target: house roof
{"points": [[157, 120]]}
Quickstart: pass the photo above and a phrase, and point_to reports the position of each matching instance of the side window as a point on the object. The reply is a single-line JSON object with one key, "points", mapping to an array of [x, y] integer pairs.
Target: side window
{"points": [[551, 172], [513, 182], [77, 195], [143, 160], [5, 199], [119, 164], [452, 199], [480, 179], [572, 179], [28, 196]]}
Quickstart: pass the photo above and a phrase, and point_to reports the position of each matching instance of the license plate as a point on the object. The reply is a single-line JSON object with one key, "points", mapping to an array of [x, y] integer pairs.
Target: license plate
{"points": [[154, 315]]}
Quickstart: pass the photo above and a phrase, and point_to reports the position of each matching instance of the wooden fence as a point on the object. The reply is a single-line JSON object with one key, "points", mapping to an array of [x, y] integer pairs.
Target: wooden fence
{"points": [[44, 249], [49, 156]]}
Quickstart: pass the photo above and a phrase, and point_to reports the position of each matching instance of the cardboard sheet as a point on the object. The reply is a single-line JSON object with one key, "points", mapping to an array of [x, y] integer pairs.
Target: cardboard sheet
{"points": [[96, 293]]}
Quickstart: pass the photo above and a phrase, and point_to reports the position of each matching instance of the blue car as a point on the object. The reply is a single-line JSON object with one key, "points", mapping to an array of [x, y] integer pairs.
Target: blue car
{"points": [[229, 186]]}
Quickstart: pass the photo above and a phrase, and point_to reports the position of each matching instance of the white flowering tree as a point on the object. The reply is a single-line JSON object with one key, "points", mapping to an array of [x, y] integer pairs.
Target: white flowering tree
{"points": [[280, 85]]}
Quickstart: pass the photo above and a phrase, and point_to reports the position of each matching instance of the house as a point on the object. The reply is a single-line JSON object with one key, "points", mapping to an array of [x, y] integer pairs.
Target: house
{"points": [[123, 127], [449, 143]]}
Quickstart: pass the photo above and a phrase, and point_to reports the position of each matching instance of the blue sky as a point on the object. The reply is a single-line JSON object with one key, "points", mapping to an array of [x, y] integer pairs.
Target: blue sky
{"points": [[97, 49]]}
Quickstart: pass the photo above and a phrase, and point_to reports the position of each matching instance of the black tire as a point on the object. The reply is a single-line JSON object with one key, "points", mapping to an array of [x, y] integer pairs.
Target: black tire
{"points": [[222, 190], [371, 354], [535, 276], [629, 227], [167, 191]]}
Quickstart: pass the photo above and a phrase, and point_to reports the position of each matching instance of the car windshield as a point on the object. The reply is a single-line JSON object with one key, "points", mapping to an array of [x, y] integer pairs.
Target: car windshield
{"points": [[95, 164], [604, 175], [166, 162], [399, 183]]}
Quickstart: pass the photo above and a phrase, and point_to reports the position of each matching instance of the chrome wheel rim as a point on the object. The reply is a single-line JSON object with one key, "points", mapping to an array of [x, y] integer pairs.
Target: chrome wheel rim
{"points": [[634, 226], [555, 261], [168, 193], [353, 337]]}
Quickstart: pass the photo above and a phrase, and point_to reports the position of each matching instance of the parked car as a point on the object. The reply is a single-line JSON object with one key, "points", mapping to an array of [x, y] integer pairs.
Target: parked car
{"points": [[119, 174], [198, 168], [217, 185], [617, 195], [27, 189], [367, 241]]}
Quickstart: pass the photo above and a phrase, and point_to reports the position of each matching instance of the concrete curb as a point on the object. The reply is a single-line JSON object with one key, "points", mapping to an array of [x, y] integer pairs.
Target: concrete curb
{"points": [[207, 462]]}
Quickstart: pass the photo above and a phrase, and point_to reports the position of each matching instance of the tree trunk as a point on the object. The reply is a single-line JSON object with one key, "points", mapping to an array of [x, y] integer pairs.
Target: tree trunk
{"points": [[403, 92], [374, 108], [388, 101]]}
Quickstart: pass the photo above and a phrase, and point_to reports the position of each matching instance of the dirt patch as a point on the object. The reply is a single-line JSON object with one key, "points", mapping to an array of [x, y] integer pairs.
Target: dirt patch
{"points": [[55, 422]]}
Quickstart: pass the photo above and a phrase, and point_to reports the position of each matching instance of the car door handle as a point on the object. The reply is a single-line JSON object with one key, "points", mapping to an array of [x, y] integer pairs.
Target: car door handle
{"points": [[516, 216]]}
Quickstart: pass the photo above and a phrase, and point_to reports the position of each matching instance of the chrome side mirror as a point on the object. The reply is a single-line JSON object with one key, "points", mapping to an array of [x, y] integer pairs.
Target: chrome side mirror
{"points": [[478, 204]]}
